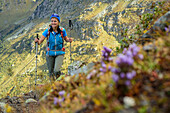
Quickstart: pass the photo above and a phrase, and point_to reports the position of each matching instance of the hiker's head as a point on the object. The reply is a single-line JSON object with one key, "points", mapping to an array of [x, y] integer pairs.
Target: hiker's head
{"points": [[55, 16], [55, 21]]}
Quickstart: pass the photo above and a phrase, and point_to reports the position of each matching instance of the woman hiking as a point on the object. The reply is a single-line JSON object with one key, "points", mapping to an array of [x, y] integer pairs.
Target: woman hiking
{"points": [[55, 41]]}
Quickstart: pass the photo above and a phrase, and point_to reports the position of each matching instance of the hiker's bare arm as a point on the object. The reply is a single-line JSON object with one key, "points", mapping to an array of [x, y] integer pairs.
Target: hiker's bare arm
{"points": [[68, 39], [40, 40]]}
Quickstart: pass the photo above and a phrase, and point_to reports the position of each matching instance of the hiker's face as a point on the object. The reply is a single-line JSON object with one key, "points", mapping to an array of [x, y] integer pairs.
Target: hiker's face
{"points": [[54, 22]]}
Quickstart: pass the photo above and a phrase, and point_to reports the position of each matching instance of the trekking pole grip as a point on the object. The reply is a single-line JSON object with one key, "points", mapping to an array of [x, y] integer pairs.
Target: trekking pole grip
{"points": [[37, 37], [70, 25]]}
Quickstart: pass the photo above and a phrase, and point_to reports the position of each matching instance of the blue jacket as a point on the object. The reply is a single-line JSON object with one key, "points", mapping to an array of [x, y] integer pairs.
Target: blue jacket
{"points": [[55, 42]]}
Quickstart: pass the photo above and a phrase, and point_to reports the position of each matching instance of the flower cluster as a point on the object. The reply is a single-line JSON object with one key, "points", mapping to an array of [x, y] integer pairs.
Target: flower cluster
{"points": [[60, 99], [133, 52], [106, 54], [106, 58], [167, 30], [125, 62]]}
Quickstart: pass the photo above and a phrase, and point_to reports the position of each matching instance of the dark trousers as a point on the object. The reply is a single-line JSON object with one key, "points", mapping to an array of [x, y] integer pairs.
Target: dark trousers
{"points": [[54, 64]]}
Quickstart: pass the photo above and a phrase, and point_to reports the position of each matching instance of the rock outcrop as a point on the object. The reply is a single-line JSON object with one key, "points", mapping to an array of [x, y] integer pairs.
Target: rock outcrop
{"points": [[104, 15]]}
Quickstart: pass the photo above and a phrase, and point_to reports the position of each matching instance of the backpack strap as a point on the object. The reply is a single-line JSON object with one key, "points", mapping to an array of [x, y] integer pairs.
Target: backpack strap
{"points": [[48, 36], [62, 35]]}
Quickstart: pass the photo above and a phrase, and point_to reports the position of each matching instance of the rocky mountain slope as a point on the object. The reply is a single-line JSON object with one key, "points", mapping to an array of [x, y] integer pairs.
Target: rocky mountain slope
{"points": [[96, 23], [89, 17], [13, 14]]}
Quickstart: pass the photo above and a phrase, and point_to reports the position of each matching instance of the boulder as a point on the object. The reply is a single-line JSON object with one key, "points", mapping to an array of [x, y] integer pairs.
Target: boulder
{"points": [[5, 108], [30, 100], [81, 67], [2, 107]]}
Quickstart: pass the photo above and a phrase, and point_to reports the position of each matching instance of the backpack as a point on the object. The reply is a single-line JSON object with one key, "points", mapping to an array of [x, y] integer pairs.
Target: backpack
{"points": [[51, 51]]}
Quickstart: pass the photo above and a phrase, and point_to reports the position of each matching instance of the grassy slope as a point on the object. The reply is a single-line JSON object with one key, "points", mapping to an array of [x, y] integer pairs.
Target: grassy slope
{"points": [[14, 13]]}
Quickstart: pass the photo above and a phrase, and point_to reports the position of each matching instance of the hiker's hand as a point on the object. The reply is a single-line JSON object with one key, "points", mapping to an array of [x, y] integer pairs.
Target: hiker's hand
{"points": [[70, 40], [36, 40]]}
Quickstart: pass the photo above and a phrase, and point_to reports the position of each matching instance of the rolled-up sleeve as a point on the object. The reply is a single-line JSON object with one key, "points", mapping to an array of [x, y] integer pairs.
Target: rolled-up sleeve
{"points": [[45, 33], [64, 33]]}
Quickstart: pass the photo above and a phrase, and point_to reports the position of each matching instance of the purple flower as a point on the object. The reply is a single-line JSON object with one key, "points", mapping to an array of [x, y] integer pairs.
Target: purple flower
{"points": [[61, 93], [61, 100], [103, 70], [115, 77], [140, 56], [58, 101], [129, 53], [135, 51], [123, 59], [107, 49], [110, 59], [115, 70], [103, 52], [169, 28], [133, 73], [130, 61], [118, 61], [103, 64], [129, 75], [109, 68], [166, 29], [121, 56], [122, 75], [132, 46], [55, 100], [127, 83], [124, 51], [106, 55]]}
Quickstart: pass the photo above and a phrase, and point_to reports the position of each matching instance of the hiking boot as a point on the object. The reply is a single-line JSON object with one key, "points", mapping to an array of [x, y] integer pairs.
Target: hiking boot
{"points": [[57, 74], [52, 78]]}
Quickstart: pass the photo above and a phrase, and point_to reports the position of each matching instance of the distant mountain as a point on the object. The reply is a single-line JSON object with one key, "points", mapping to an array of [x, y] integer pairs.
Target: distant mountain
{"points": [[13, 13]]}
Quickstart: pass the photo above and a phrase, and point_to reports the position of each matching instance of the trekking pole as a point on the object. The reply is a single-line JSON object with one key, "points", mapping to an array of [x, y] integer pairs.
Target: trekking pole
{"points": [[36, 62], [70, 27]]}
